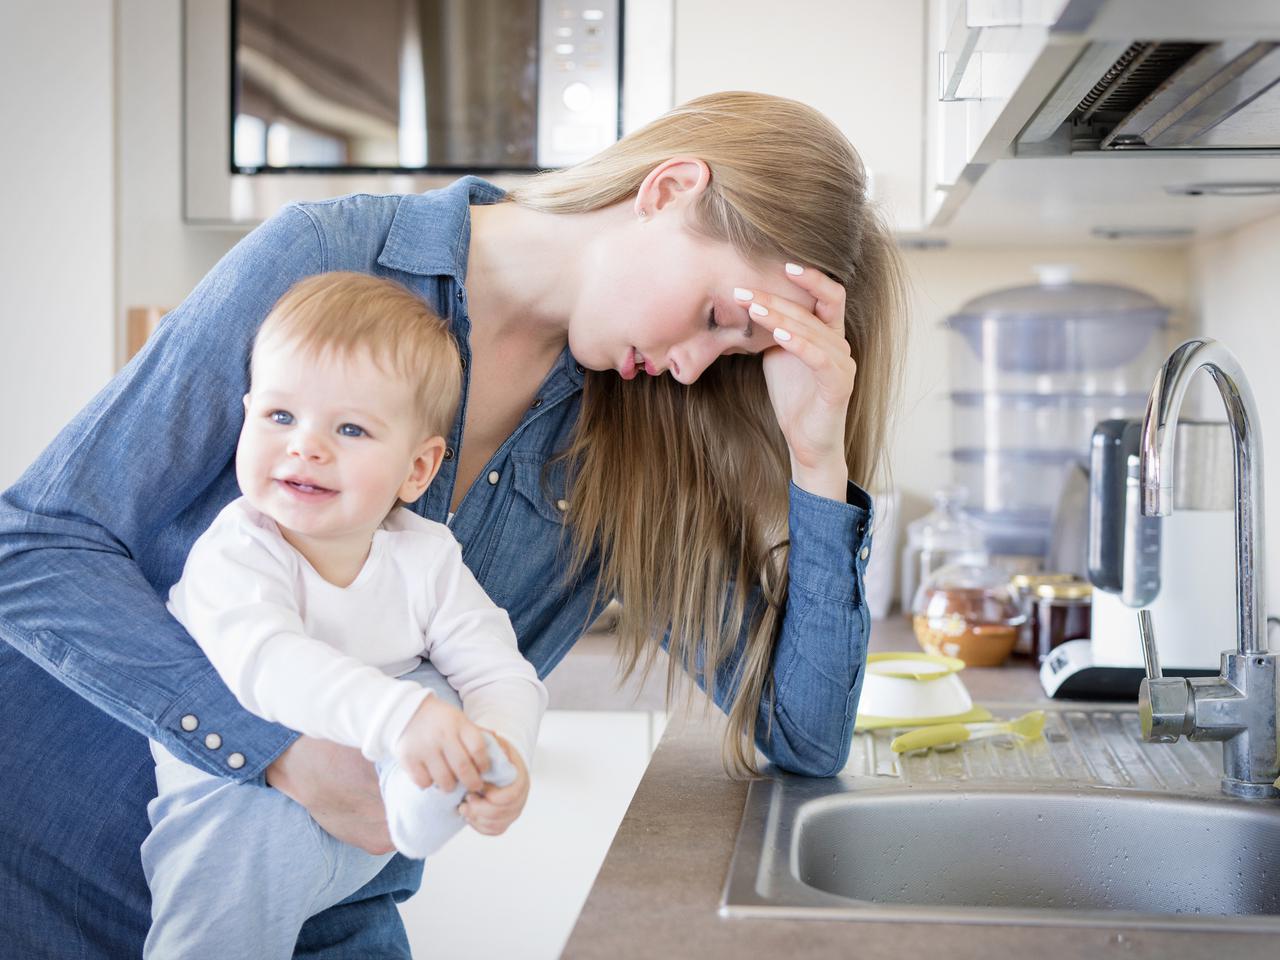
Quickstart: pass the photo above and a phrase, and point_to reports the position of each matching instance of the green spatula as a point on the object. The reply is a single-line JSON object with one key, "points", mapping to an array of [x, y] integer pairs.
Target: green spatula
{"points": [[1029, 726]]}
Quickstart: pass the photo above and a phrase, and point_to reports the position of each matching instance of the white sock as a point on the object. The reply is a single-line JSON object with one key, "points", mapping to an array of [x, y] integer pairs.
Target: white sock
{"points": [[422, 820]]}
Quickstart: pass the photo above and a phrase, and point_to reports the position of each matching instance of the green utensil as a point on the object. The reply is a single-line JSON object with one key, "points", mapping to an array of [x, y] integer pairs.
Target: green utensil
{"points": [[1029, 726]]}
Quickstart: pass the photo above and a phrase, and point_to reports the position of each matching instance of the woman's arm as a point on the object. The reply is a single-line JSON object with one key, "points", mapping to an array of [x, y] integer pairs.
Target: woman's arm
{"points": [[155, 444]]}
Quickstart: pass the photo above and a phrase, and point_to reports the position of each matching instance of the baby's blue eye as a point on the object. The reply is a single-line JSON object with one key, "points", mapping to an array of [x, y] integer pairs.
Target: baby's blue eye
{"points": [[281, 416], [351, 430]]}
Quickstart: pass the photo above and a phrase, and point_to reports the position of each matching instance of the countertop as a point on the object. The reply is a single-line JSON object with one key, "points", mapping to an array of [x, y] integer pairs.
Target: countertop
{"points": [[658, 891]]}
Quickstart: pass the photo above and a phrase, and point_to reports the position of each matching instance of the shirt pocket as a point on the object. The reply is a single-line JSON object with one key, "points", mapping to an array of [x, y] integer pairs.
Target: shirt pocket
{"points": [[532, 549]]}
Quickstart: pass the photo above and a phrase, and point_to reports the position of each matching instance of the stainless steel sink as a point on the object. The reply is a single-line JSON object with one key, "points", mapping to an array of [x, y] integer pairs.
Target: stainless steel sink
{"points": [[1089, 826]]}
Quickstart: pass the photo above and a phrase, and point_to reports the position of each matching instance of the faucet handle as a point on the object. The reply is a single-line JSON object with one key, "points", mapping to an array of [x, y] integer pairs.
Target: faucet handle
{"points": [[1164, 703], [1148, 636]]}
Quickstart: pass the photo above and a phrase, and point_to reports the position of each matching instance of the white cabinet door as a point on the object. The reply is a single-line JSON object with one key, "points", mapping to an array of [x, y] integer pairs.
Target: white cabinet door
{"points": [[519, 895]]}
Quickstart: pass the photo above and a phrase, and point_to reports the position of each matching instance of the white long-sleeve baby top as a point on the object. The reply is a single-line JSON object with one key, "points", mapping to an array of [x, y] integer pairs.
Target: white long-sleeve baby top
{"points": [[323, 660]]}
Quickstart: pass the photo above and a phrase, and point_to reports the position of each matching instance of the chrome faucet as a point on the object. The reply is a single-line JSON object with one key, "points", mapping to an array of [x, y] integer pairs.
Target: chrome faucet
{"points": [[1239, 706]]}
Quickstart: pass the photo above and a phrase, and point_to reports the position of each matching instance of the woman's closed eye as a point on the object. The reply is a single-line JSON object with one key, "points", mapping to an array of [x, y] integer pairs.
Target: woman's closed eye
{"points": [[711, 319]]}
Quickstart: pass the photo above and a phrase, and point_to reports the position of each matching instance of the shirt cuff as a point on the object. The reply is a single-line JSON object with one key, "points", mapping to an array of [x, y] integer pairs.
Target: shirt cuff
{"points": [[830, 543], [214, 732]]}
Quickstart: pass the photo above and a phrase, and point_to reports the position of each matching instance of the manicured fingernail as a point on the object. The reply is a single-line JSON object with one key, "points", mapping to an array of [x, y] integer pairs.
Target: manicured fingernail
{"points": [[757, 311], [780, 334], [740, 294], [795, 269]]}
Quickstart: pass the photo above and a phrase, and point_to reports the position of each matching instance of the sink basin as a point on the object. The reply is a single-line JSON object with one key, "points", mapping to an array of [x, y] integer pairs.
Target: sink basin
{"points": [[1089, 826]]}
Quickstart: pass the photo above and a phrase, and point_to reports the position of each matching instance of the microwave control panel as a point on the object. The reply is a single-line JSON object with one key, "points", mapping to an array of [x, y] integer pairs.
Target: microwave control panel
{"points": [[579, 79]]}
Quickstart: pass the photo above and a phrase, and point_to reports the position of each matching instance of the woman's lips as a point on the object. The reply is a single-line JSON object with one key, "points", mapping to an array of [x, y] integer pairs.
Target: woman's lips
{"points": [[628, 368]]}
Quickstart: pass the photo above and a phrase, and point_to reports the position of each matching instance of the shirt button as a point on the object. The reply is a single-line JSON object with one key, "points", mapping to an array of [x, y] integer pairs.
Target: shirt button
{"points": [[537, 403], [448, 453], [213, 741], [864, 552], [493, 476], [464, 363], [189, 722], [578, 367], [235, 761], [562, 505]]}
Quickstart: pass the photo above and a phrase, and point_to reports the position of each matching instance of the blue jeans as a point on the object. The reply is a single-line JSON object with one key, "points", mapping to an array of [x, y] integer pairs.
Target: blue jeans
{"points": [[86, 896]]}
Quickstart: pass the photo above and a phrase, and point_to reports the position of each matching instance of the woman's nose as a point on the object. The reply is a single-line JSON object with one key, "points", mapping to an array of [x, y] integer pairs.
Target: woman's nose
{"points": [[694, 358]]}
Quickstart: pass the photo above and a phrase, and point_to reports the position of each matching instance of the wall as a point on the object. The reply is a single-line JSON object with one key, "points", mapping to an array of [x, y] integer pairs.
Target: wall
{"points": [[57, 246], [161, 258], [1236, 290]]}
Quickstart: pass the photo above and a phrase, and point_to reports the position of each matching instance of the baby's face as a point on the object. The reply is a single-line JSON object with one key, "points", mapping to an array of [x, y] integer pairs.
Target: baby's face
{"points": [[327, 445]]}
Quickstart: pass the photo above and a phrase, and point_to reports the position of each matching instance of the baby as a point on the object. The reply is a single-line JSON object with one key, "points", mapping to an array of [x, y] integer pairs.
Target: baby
{"points": [[320, 601]]}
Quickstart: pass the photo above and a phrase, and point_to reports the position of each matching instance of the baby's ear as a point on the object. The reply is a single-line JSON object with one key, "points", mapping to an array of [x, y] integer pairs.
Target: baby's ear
{"points": [[245, 401]]}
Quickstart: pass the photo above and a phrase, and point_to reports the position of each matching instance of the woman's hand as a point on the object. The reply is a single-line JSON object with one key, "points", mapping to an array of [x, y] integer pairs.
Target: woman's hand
{"points": [[338, 787], [810, 375], [496, 809]]}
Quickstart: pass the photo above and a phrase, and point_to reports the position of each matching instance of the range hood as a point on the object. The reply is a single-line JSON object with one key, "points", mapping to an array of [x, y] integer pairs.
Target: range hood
{"points": [[1163, 95]]}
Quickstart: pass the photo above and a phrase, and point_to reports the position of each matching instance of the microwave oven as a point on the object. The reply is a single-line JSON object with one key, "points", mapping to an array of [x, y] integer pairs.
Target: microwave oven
{"points": [[292, 99]]}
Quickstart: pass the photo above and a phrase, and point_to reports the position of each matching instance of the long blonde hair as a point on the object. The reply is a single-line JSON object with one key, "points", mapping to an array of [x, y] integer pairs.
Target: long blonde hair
{"points": [[683, 489]]}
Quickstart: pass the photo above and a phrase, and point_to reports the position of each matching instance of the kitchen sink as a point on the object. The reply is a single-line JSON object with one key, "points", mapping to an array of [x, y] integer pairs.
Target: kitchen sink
{"points": [[1089, 826]]}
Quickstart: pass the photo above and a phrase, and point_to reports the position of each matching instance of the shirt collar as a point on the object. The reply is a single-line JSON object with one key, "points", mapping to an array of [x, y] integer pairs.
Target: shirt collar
{"points": [[431, 232]]}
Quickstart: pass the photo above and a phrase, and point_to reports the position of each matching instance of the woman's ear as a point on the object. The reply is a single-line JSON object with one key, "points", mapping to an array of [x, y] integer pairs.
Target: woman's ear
{"points": [[678, 181], [423, 469]]}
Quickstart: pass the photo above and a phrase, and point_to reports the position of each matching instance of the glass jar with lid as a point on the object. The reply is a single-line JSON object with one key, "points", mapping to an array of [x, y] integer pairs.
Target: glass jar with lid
{"points": [[1064, 611], [1024, 588], [946, 535], [967, 611]]}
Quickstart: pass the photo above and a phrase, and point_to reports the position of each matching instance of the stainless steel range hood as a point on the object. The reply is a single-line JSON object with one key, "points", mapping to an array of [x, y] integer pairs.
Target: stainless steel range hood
{"points": [[1165, 95]]}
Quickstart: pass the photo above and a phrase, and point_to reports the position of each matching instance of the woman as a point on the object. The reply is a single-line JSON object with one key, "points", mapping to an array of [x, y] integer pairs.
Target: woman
{"points": [[734, 227]]}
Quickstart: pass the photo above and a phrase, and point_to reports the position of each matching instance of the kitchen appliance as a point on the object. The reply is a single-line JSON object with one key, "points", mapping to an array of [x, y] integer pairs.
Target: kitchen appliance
{"points": [[400, 96], [1181, 567], [1033, 368], [396, 85]]}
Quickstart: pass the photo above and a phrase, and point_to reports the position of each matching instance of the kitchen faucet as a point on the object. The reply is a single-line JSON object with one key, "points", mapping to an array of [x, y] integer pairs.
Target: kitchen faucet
{"points": [[1239, 706]]}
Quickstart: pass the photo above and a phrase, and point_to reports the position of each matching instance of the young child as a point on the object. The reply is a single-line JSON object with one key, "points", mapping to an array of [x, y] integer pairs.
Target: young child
{"points": [[319, 601]]}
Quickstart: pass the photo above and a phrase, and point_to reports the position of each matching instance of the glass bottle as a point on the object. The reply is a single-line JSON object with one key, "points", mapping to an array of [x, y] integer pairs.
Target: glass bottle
{"points": [[946, 535]]}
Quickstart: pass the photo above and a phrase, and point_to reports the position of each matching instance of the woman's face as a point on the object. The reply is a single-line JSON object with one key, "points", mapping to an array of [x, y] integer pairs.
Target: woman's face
{"points": [[653, 290]]}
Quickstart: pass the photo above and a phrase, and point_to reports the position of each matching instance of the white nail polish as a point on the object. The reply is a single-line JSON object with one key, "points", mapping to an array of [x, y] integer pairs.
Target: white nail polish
{"points": [[740, 294], [795, 269], [780, 334], [757, 311]]}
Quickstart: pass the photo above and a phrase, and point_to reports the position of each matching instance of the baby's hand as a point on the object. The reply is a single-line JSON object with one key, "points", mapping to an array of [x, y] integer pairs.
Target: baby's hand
{"points": [[441, 747], [496, 808]]}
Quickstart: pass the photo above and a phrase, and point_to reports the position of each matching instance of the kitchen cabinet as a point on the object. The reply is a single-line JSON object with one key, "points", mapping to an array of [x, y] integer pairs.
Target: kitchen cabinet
{"points": [[519, 895], [1004, 161]]}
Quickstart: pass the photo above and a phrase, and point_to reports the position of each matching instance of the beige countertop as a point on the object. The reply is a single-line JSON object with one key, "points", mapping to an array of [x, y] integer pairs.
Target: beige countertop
{"points": [[658, 891]]}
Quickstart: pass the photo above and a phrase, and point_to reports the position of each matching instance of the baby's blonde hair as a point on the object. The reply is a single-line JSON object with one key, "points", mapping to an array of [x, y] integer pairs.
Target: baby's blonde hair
{"points": [[341, 313]]}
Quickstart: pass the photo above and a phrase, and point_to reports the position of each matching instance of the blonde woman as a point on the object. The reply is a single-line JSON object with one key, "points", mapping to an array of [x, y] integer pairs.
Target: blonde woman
{"points": [[678, 364]]}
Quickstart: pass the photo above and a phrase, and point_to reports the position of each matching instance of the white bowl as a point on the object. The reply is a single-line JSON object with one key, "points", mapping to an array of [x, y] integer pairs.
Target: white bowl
{"points": [[912, 688]]}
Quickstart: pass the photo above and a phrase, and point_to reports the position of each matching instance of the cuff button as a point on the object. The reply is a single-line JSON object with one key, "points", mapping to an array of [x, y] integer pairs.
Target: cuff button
{"points": [[190, 722], [864, 552], [213, 741], [235, 761]]}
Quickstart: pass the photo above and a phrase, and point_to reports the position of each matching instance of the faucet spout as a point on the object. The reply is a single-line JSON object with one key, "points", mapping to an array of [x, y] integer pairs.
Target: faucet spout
{"points": [[1156, 465]]}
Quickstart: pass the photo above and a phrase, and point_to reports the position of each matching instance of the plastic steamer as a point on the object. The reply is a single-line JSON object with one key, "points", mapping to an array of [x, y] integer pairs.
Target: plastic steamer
{"points": [[1033, 369]]}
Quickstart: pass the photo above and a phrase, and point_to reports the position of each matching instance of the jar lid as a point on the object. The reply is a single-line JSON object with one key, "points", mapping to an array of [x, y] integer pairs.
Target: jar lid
{"points": [[1068, 590], [1029, 581]]}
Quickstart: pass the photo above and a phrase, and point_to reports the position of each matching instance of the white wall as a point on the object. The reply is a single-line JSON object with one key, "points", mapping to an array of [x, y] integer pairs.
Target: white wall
{"points": [[57, 243], [822, 53], [161, 258], [1237, 300]]}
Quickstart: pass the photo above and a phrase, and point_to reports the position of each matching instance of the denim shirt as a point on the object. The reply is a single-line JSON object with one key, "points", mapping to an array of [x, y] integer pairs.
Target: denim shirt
{"points": [[96, 531]]}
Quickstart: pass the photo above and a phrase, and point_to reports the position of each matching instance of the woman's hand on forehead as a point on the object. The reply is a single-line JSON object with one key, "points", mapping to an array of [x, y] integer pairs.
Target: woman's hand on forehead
{"points": [[810, 373]]}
